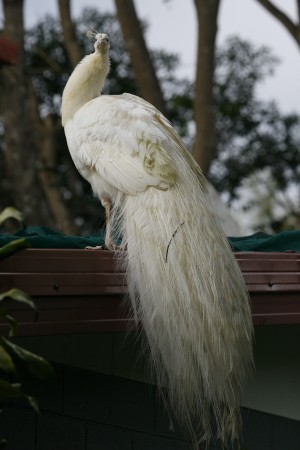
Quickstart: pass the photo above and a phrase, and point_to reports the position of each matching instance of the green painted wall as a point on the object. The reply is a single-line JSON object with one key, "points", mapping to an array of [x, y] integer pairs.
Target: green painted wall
{"points": [[274, 388]]}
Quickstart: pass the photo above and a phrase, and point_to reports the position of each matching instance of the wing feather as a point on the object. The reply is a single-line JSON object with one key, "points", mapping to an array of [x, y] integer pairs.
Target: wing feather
{"points": [[121, 139]]}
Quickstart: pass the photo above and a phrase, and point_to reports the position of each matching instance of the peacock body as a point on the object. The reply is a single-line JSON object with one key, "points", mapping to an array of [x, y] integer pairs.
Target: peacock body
{"points": [[184, 283]]}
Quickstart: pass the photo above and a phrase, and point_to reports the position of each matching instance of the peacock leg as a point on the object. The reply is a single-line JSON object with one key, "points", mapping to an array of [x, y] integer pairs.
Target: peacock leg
{"points": [[109, 243]]}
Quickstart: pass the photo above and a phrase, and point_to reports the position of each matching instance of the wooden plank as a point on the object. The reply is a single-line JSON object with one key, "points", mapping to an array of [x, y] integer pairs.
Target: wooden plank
{"points": [[56, 260], [64, 283], [81, 314], [276, 319], [269, 265], [80, 291], [285, 289], [56, 264], [267, 255], [272, 278]]}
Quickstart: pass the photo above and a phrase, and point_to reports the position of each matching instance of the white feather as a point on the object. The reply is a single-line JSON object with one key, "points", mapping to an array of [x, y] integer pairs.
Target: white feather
{"points": [[185, 285]]}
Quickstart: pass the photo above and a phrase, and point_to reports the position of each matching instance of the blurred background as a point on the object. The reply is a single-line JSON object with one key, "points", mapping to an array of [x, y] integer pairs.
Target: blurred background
{"points": [[225, 73]]}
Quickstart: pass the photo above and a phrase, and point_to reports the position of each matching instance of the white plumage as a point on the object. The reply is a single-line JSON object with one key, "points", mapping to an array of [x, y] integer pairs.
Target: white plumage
{"points": [[184, 283]]}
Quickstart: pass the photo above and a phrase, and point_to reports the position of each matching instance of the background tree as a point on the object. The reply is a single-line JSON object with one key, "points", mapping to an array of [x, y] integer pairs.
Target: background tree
{"points": [[75, 52], [250, 134], [204, 147], [205, 144], [29, 146], [140, 57], [49, 65], [255, 140], [292, 27], [21, 186]]}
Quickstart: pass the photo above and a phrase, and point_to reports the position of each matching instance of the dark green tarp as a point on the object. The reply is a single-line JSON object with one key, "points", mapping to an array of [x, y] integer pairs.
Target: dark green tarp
{"points": [[263, 242], [43, 237]]}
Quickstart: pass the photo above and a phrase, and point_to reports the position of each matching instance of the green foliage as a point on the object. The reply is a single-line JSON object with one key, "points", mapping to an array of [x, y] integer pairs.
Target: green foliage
{"points": [[9, 390], [11, 213], [11, 219], [13, 246], [251, 134], [19, 296], [35, 364], [10, 352]]}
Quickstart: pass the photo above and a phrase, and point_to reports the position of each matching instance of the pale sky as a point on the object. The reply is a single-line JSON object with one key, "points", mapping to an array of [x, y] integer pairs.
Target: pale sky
{"points": [[173, 27]]}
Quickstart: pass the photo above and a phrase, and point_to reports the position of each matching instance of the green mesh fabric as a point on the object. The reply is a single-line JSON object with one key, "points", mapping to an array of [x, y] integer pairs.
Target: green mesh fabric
{"points": [[43, 237]]}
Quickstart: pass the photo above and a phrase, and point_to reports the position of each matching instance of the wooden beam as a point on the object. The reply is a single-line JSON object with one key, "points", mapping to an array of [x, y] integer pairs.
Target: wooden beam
{"points": [[81, 291]]}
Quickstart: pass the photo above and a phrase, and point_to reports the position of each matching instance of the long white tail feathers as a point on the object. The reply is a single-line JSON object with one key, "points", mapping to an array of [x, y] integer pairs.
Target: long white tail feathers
{"points": [[189, 294], [184, 283]]}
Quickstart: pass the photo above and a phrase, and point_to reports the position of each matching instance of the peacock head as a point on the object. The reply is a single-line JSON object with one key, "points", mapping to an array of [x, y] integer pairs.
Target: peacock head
{"points": [[101, 40], [101, 43]]}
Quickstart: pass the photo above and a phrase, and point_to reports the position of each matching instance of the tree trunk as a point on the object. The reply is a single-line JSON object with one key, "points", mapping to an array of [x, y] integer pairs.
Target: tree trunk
{"points": [[71, 44], [19, 150], [292, 27], [143, 67], [46, 131], [49, 179], [204, 149]]}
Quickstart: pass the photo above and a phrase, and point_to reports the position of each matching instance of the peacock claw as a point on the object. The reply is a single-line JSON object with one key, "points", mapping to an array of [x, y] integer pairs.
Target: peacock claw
{"points": [[96, 247]]}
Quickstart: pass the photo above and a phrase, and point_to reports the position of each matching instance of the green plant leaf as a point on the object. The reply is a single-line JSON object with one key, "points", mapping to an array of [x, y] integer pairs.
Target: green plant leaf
{"points": [[37, 365], [6, 363], [11, 213], [12, 324], [19, 296], [13, 246], [3, 443], [33, 403], [9, 390]]}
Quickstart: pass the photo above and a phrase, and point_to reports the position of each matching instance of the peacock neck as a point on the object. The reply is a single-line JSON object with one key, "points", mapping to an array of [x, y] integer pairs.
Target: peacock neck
{"points": [[85, 84]]}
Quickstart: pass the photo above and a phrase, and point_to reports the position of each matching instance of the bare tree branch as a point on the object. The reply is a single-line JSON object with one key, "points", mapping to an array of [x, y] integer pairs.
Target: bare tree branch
{"points": [[293, 29], [139, 54], [73, 49], [298, 10]]}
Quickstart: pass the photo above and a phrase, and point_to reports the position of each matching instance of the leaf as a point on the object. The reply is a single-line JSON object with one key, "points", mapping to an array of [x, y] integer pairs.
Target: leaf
{"points": [[37, 365], [9, 390], [19, 296], [10, 320], [11, 213], [3, 443], [13, 246], [6, 363], [33, 403], [12, 324]]}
